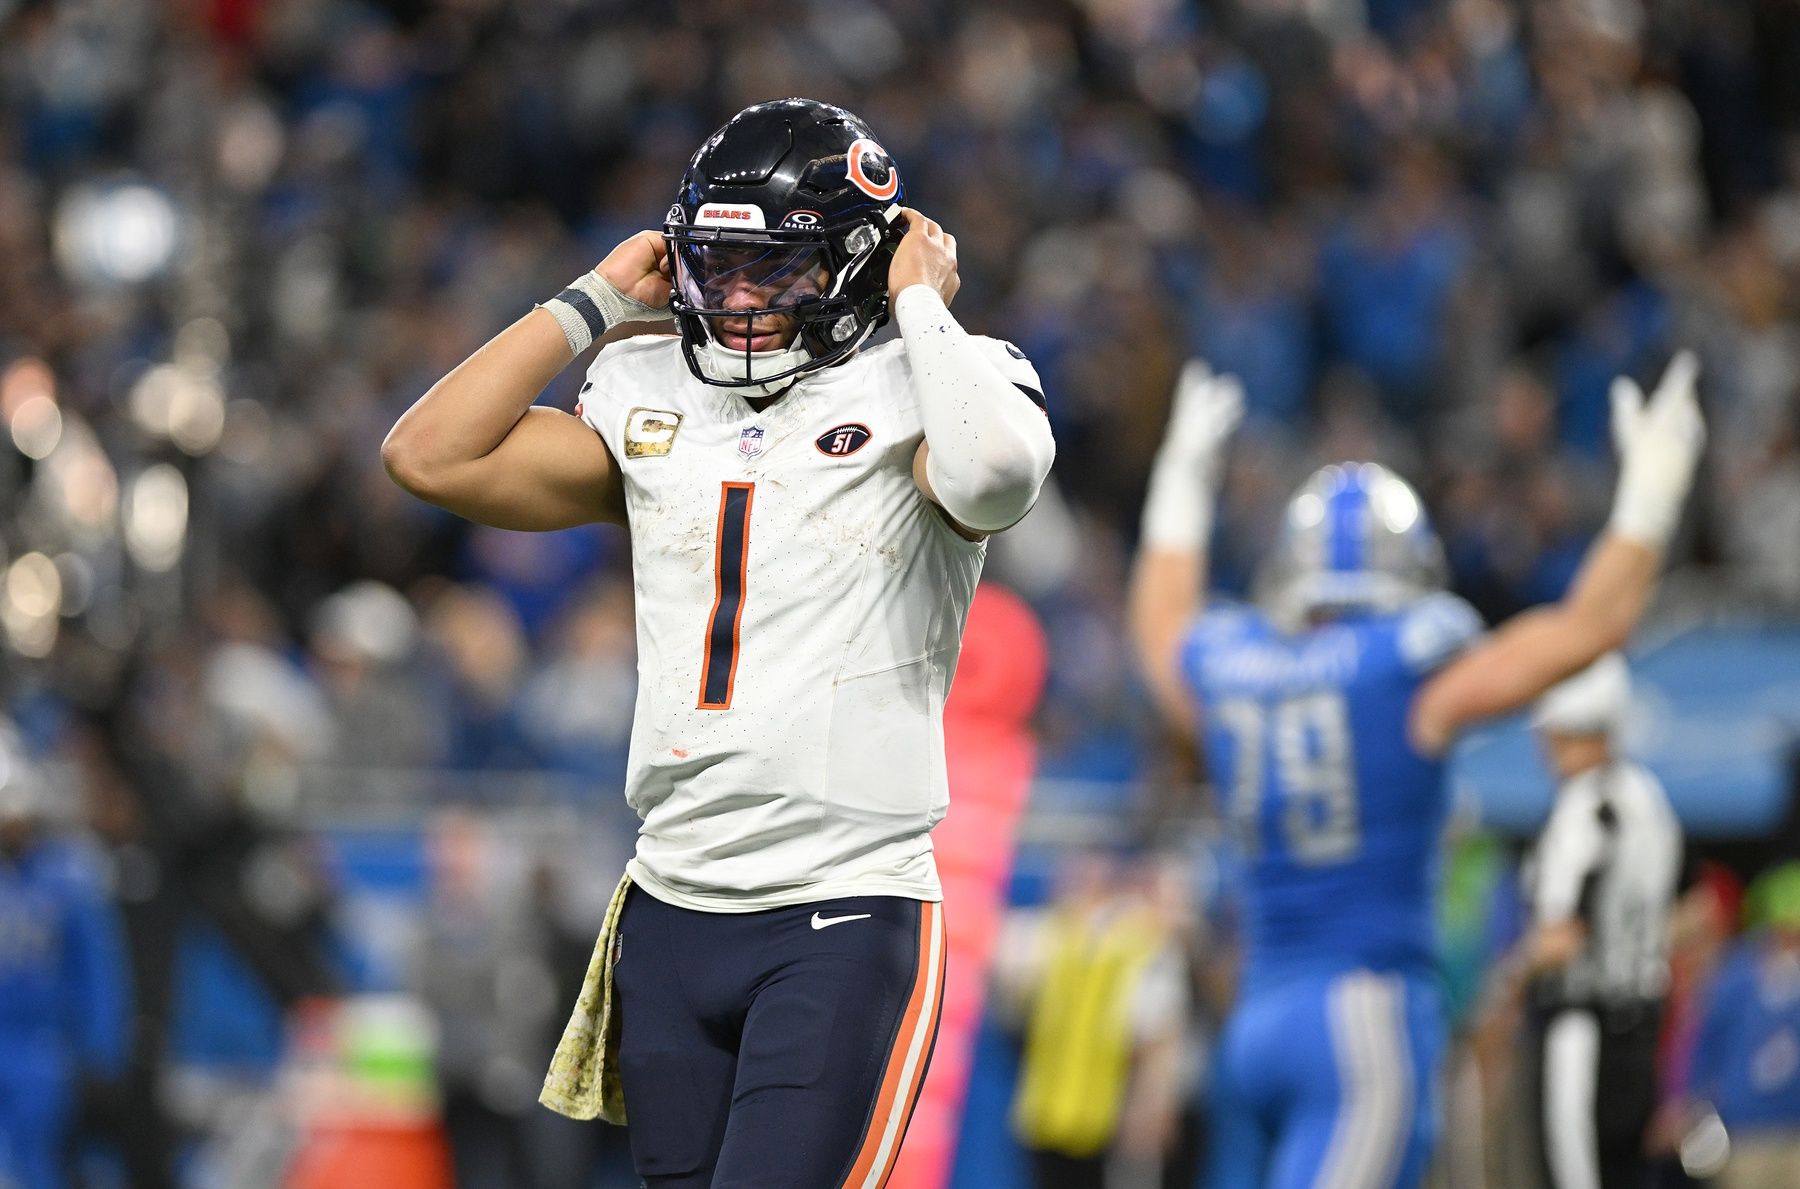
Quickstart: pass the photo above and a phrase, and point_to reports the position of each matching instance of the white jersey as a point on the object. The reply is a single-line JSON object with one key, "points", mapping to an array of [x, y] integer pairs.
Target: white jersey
{"points": [[800, 607], [1610, 856]]}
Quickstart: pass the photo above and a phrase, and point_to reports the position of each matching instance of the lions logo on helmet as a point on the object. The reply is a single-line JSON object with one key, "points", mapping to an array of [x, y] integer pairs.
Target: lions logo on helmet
{"points": [[1355, 537], [796, 199]]}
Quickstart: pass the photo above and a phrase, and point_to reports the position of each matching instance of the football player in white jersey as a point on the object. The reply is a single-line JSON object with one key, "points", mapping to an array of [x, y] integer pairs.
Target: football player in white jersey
{"points": [[807, 517]]}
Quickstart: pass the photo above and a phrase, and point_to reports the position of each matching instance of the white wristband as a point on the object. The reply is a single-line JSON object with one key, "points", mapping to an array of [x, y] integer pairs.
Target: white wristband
{"points": [[591, 304]]}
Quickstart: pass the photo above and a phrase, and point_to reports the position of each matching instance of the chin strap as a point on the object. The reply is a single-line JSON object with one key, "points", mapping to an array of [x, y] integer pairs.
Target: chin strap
{"points": [[734, 368]]}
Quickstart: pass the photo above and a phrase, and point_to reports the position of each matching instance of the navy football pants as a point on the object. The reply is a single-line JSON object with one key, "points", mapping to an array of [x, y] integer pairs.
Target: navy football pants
{"points": [[782, 1048]]}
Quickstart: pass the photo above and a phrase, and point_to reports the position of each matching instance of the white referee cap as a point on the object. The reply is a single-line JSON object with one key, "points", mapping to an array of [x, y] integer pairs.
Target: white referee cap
{"points": [[1593, 702]]}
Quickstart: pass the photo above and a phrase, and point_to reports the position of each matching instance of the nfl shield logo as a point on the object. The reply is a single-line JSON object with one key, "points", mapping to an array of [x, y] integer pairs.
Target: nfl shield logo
{"points": [[750, 442]]}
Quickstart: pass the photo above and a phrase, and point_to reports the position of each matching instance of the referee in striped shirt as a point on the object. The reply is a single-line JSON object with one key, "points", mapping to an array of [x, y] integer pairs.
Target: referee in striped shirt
{"points": [[1600, 880]]}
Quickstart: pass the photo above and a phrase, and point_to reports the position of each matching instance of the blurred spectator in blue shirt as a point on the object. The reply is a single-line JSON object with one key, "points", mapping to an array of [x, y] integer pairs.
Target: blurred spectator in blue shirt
{"points": [[1747, 1057], [64, 998], [1388, 276], [578, 705], [482, 646], [1251, 318]]}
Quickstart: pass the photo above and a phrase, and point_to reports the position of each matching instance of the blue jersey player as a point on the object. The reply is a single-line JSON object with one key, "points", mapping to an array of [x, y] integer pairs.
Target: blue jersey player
{"points": [[1325, 712]]}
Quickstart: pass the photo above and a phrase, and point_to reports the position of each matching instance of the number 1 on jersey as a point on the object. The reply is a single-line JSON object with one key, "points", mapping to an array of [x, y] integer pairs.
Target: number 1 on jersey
{"points": [[731, 564]]}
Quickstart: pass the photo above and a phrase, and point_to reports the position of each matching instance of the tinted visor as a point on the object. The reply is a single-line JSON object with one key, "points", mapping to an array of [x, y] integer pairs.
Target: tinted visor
{"points": [[717, 274]]}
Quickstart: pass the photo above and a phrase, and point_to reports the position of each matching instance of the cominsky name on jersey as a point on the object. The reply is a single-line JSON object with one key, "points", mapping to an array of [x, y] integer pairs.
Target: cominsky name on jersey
{"points": [[1327, 659]]}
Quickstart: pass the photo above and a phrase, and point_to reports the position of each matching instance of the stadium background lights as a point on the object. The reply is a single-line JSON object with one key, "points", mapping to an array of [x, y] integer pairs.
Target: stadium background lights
{"points": [[156, 518], [76, 574], [31, 604], [117, 233], [78, 485], [183, 401], [28, 405]]}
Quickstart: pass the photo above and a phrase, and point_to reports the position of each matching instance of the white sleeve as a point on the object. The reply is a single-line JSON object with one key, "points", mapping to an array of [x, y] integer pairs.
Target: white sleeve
{"points": [[1570, 850], [600, 407], [990, 442], [591, 404]]}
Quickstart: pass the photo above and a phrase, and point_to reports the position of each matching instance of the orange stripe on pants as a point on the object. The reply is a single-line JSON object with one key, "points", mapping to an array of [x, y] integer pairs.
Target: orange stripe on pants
{"points": [[905, 1071]]}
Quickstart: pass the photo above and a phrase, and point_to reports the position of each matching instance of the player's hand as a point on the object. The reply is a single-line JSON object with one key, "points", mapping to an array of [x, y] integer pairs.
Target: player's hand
{"points": [[926, 256], [639, 269], [1659, 441], [1179, 503], [1206, 409], [1668, 421]]}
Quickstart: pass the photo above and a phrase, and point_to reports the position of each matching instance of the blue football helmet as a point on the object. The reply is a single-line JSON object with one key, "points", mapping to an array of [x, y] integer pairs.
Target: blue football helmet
{"points": [[1355, 538]]}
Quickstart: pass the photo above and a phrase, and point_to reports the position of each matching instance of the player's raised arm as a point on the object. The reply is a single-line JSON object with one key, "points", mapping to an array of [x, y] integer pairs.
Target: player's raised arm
{"points": [[1168, 580], [475, 445], [987, 445], [1659, 443]]}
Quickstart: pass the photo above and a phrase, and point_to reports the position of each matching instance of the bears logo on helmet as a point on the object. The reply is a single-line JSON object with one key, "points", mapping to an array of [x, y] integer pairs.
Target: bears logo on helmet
{"points": [[871, 171]]}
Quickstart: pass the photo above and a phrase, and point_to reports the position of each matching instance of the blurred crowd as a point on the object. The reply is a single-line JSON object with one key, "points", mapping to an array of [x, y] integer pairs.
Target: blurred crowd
{"points": [[239, 237]]}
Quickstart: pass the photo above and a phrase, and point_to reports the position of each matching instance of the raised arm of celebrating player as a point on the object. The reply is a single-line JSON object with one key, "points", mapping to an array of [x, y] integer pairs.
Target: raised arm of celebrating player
{"points": [[1659, 443], [987, 449], [1168, 581], [475, 444]]}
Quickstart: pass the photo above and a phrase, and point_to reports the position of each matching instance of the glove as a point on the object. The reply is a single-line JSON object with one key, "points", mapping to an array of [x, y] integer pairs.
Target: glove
{"points": [[1205, 411], [1659, 441], [1178, 508]]}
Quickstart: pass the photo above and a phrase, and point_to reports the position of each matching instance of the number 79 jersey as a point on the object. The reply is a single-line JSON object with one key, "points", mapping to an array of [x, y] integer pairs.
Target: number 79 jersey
{"points": [[1336, 819], [800, 607]]}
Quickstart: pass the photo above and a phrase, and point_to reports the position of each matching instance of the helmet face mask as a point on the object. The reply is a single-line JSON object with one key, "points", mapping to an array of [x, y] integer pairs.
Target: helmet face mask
{"points": [[788, 212], [1355, 538]]}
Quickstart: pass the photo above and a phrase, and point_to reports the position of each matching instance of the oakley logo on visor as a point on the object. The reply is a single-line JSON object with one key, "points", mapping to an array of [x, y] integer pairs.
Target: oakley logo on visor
{"points": [[714, 215], [871, 170], [802, 219]]}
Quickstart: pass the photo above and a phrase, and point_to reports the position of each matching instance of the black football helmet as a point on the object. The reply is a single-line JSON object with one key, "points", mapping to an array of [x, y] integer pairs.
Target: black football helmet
{"points": [[792, 207]]}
